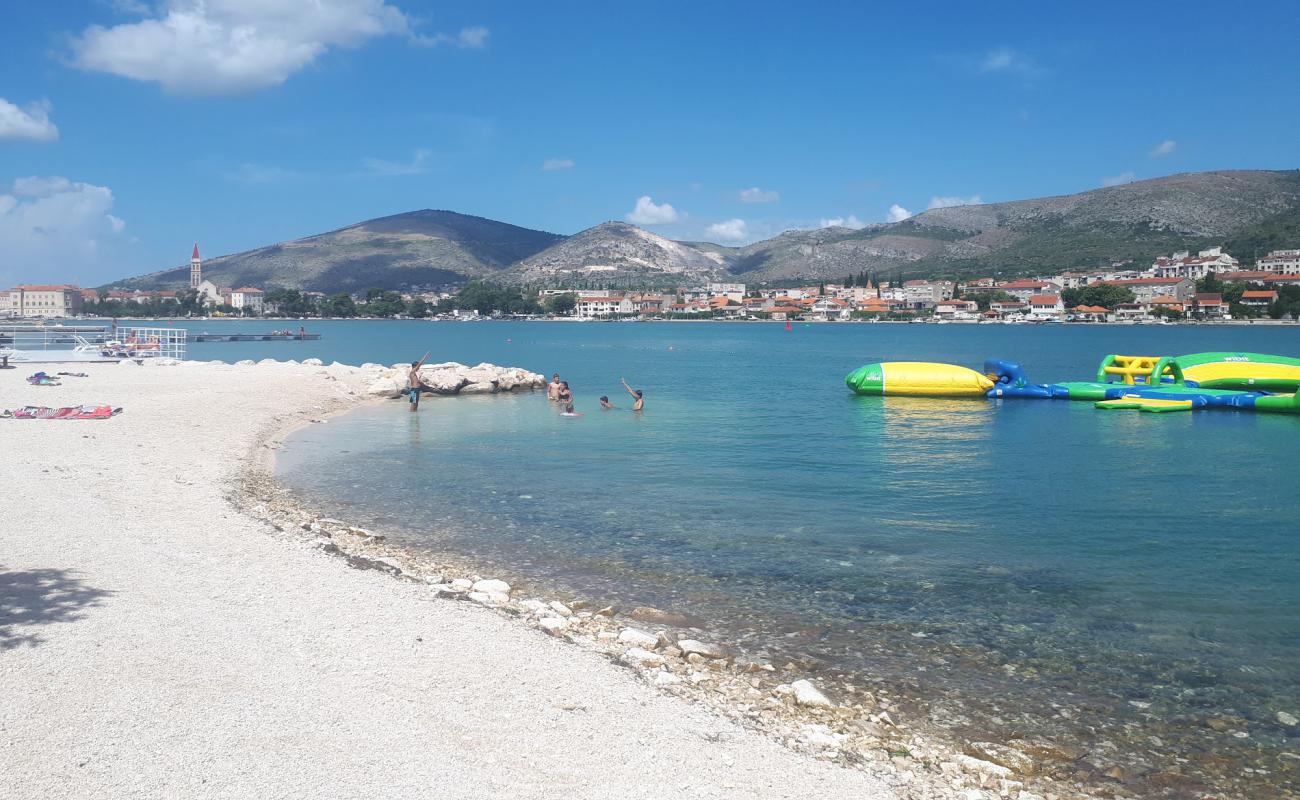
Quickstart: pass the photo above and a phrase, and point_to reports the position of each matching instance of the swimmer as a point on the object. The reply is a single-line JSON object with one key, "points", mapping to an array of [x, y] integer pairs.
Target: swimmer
{"points": [[553, 388], [604, 402], [569, 412], [636, 393], [565, 394]]}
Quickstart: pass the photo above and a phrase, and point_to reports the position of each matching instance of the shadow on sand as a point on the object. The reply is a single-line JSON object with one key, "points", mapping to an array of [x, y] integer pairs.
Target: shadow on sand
{"points": [[32, 598]]}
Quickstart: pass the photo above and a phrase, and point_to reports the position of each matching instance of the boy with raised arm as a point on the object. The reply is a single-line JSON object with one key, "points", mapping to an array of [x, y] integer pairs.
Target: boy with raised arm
{"points": [[636, 393]]}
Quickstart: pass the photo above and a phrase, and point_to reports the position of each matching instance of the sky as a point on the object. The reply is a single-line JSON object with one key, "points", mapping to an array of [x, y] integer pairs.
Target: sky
{"points": [[129, 129]]}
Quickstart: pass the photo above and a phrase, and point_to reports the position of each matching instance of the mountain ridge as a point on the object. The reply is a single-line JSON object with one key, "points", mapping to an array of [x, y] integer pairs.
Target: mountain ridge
{"points": [[1244, 210]]}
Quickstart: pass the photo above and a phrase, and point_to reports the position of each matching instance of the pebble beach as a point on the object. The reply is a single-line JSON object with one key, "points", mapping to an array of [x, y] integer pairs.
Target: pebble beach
{"points": [[158, 640]]}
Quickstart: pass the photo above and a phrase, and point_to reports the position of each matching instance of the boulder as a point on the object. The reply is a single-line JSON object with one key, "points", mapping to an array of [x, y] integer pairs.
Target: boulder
{"points": [[384, 387], [126, 362], [805, 694], [553, 625], [247, 362], [1002, 755], [479, 388], [638, 638], [442, 381], [702, 649], [648, 614], [642, 657], [266, 362], [561, 609], [491, 585], [313, 362]]}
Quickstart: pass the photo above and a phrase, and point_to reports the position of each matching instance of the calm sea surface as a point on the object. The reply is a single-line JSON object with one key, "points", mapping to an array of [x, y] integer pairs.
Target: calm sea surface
{"points": [[1118, 579]]}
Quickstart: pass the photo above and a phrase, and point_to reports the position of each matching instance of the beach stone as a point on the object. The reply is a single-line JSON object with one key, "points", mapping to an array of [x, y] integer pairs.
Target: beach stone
{"points": [[638, 638], [561, 608], [649, 614], [665, 678], [126, 362], [643, 657], [313, 362], [442, 381], [607, 611], [491, 585], [985, 769], [1287, 719], [702, 649], [489, 598], [1043, 750], [462, 584], [1000, 754], [820, 736], [805, 694], [266, 362], [535, 606], [370, 366], [479, 388], [384, 387], [553, 624], [247, 362]]}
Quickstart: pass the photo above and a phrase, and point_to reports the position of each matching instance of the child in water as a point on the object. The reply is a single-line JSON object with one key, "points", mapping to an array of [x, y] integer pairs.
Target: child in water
{"points": [[569, 412], [604, 402]]}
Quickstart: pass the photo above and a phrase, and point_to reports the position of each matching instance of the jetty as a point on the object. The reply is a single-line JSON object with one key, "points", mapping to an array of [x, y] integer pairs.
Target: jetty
{"points": [[273, 336]]}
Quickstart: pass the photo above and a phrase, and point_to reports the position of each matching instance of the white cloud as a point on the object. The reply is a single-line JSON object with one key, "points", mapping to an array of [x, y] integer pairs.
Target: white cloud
{"points": [[897, 213], [850, 221], [468, 38], [732, 230], [556, 164], [1163, 149], [231, 46], [32, 123], [949, 202], [50, 225], [1008, 61], [418, 165], [757, 195], [647, 213], [1120, 179]]}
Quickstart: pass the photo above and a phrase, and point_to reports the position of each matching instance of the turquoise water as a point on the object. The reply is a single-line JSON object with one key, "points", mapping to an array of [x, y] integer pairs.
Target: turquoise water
{"points": [[1025, 566]]}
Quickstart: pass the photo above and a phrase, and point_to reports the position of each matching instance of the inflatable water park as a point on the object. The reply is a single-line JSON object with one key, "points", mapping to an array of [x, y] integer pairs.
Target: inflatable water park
{"points": [[1234, 381]]}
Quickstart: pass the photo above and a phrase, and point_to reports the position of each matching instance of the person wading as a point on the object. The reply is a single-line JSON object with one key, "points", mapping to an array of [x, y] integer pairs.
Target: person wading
{"points": [[413, 382]]}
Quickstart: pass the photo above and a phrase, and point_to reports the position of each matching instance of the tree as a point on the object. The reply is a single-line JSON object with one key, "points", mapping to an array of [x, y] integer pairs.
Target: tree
{"points": [[1210, 283], [418, 308], [1099, 294], [380, 303], [1166, 312], [338, 305], [562, 304]]}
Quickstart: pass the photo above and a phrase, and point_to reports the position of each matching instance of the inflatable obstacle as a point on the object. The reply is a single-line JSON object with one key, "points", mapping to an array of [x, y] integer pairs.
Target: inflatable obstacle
{"points": [[1156, 384]]}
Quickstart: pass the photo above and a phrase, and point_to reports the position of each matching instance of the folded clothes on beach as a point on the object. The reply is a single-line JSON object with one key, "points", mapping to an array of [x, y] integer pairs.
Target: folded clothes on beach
{"points": [[67, 412]]}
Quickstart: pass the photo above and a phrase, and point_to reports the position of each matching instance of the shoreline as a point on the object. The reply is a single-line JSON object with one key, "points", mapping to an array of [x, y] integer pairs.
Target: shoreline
{"points": [[163, 642], [857, 730]]}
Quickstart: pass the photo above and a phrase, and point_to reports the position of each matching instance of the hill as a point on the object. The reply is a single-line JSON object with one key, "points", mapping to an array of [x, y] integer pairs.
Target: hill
{"points": [[412, 249], [1246, 211], [616, 254]]}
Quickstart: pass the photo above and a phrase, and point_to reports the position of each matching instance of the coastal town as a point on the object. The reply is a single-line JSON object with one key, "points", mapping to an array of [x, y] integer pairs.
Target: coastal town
{"points": [[1209, 285]]}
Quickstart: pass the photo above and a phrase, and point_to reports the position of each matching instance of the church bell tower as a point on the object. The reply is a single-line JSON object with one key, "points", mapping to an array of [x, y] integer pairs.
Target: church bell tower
{"points": [[196, 268]]}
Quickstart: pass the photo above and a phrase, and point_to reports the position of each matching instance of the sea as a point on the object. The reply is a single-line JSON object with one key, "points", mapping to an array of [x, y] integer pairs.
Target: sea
{"points": [[1123, 582]]}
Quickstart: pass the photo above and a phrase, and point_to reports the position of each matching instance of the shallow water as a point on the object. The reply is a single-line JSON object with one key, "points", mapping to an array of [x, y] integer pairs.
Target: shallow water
{"points": [[1025, 567]]}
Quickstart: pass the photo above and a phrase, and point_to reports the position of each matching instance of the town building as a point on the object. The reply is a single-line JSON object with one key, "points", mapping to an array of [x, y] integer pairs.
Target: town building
{"points": [[1207, 305], [246, 299], [1045, 306], [1280, 262], [1146, 288], [959, 309], [1025, 289], [35, 300], [603, 306], [733, 290], [1184, 265], [920, 294], [1258, 299]]}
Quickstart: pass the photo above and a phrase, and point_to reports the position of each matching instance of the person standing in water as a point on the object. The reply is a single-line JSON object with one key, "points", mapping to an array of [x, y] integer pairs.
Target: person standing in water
{"points": [[637, 394], [553, 388], [413, 382]]}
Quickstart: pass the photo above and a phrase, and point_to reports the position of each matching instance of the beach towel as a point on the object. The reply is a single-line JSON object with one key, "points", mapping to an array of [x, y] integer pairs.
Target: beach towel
{"points": [[67, 412], [41, 379]]}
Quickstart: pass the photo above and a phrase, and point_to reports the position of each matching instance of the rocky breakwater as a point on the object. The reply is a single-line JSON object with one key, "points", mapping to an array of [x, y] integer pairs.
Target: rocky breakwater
{"points": [[451, 378]]}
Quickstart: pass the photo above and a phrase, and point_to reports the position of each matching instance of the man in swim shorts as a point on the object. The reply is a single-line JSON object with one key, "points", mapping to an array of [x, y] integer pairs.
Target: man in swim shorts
{"points": [[413, 382], [553, 388]]}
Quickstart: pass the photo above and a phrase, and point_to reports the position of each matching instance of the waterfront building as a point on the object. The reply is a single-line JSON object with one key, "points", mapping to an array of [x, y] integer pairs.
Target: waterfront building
{"points": [[1005, 308], [1146, 288], [948, 309], [1280, 262], [727, 290], [40, 300], [1043, 306], [603, 306], [1184, 265], [247, 299], [1207, 305], [1258, 299], [1025, 289]]}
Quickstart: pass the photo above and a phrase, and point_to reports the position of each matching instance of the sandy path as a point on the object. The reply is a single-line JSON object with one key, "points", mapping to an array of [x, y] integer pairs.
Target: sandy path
{"points": [[156, 642]]}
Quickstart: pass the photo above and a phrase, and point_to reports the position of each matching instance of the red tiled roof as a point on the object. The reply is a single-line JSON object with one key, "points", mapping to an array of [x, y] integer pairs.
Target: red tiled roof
{"points": [[1044, 300]]}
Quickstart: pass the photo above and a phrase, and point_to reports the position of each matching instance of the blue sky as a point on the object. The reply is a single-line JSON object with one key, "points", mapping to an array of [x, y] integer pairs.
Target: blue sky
{"points": [[131, 128]]}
